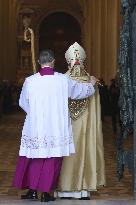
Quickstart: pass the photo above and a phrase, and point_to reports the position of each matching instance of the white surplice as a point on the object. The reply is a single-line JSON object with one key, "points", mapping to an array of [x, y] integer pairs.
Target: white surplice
{"points": [[47, 131]]}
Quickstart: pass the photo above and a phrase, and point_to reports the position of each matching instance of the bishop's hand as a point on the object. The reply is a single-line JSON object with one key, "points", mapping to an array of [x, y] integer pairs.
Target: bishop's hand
{"points": [[94, 81]]}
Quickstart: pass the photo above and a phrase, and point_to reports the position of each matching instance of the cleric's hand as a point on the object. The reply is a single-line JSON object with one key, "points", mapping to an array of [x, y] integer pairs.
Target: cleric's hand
{"points": [[93, 80]]}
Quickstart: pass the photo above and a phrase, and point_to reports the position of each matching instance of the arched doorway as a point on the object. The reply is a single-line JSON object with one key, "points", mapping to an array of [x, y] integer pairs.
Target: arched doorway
{"points": [[57, 32]]}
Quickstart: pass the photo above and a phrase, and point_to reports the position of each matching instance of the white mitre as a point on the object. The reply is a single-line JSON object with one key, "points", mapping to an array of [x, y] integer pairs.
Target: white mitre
{"points": [[75, 53]]}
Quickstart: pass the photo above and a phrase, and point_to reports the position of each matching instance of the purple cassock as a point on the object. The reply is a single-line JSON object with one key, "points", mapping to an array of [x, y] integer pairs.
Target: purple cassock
{"points": [[38, 174]]}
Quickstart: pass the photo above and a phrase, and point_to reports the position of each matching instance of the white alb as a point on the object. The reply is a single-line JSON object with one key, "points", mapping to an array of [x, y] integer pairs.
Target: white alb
{"points": [[47, 130]]}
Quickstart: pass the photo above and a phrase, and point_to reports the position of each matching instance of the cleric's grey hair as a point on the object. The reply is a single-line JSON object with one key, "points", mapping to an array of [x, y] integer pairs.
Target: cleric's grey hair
{"points": [[45, 56]]}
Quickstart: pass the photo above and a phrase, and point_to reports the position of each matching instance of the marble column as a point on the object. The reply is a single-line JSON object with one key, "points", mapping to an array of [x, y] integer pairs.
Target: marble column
{"points": [[1, 5], [112, 38], [102, 37], [3, 31], [8, 35]]}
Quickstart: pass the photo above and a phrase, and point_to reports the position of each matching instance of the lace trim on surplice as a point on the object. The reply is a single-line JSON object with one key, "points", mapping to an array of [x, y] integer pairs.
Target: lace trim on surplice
{"points": [[49, 142]]}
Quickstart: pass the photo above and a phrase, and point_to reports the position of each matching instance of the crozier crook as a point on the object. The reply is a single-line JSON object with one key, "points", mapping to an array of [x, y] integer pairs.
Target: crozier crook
{"points": [[30, 38]]}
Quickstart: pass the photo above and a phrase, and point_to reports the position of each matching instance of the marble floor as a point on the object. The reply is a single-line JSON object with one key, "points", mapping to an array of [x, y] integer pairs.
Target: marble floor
{"points": [[71, 202], [115, 192]]}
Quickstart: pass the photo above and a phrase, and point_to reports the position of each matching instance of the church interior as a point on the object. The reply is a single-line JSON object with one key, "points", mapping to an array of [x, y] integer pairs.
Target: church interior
{"points": [[95, 25]]}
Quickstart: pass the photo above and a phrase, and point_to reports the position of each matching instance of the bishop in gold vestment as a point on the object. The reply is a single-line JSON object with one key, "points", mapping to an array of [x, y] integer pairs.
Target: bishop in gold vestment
{"points": [[85, 170]]}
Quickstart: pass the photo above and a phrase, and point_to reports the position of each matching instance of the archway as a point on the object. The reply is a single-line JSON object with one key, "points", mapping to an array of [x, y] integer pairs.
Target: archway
{"points": [[57, 32]]}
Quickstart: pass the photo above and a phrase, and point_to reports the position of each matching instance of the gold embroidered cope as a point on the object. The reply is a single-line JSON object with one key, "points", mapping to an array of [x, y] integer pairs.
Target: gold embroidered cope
{"points": [[78, 107]]}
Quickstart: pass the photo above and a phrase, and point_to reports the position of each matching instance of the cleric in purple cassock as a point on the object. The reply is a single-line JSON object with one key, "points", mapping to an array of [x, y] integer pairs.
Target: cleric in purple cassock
{"points": [[47, 133]]}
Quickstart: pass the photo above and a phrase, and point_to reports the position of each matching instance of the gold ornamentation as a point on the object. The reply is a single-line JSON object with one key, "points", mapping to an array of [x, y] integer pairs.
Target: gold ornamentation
{"points": [[29, 37], [78, 107]]}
